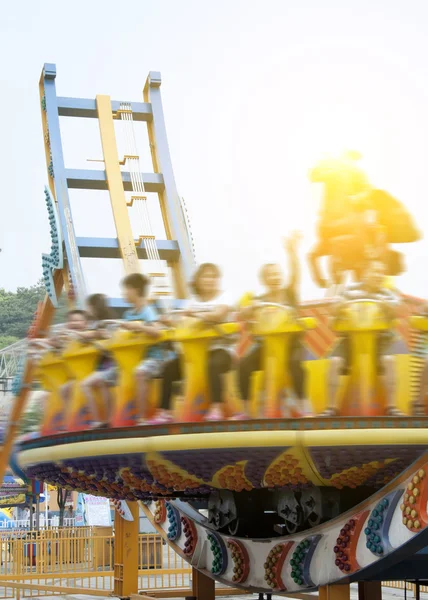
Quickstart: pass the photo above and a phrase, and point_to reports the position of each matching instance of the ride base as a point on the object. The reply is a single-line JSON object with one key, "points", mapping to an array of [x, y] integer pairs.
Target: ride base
{"points": [[326, 500]]}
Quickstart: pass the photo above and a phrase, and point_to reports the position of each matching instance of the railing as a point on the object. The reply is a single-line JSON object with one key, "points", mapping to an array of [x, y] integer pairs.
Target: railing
{"points": [[10, 358], [81, 560], [25, 523]]}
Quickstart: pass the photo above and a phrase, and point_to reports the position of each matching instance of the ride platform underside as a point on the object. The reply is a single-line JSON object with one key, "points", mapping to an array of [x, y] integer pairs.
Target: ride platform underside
{"points": [[268, 504]]}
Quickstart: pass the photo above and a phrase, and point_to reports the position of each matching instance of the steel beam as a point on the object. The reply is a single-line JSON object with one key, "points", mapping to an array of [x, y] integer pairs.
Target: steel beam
{"points": [[170, 203], [91, 179], [87, 108], [57, 176], [109, 248]]}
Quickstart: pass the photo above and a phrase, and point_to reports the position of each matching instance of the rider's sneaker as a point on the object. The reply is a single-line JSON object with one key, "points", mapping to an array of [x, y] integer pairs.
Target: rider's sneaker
{"points": [[329, 412], [99, 425], [391, 411], [161, 417], [300, 409], [418, 410], [240, 417], [215, 414]]}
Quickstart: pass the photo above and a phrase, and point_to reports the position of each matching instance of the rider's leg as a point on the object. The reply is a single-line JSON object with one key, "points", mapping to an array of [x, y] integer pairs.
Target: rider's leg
{"points": [[248, 364], [100, 381], [171, 374], [335, 371], [148, 369], [419, 408], [219, 363], [90, 386], [298, 375], [389, 381]]}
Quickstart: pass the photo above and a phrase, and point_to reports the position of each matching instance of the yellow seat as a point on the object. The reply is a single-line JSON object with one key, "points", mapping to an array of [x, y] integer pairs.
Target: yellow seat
{"points": [[82, 359], [195, 339], [276, 324], [363, 321], [129, 349], [53, 373]]}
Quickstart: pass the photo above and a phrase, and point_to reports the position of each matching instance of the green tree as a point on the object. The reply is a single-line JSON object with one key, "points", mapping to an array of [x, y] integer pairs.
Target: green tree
{"points": [[17, 309], [7, 340]]}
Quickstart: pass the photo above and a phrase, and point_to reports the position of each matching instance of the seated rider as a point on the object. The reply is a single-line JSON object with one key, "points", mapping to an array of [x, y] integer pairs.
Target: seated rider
{"points": [[104, 377], [210, 305], [371, 288], [76, 322], [272, 278], [143, 318]]}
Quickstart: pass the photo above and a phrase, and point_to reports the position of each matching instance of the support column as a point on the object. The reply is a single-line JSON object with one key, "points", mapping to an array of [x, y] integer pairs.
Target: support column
{"points": [[126, 554], [170, 203], [115, 185], [57, 177], [369, 590], [203, 587], [334, 592]]}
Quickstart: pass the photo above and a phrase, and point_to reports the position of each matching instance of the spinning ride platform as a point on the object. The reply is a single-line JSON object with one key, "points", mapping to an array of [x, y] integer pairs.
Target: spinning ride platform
{"points": [[291, 504]]}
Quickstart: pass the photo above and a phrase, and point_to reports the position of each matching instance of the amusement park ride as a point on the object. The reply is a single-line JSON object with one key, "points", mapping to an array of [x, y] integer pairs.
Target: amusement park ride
{"points": [[268, 504]]}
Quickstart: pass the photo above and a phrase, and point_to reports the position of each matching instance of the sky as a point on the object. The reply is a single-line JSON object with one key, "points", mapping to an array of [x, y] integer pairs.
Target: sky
{"points": [[254, 93]]}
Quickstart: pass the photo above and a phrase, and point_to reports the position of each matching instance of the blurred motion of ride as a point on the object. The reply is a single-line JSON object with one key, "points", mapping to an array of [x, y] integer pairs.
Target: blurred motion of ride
{"points": [[273, 496], [356, 222]]}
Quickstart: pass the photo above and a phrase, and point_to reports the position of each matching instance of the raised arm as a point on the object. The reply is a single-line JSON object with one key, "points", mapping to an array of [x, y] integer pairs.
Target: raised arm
{"points": [[290, 245]]}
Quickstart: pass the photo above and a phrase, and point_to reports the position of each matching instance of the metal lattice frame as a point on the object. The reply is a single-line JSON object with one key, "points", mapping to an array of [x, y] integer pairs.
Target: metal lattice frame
{"points": [[10, 358]]}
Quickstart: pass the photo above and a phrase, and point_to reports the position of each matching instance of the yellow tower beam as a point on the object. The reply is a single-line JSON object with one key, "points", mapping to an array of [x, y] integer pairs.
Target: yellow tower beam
{"points": [[126, 554], [115, 185]]}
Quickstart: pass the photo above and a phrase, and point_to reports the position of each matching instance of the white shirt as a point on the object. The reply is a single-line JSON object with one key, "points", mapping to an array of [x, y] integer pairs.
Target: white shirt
{"points": [[196, 305]]}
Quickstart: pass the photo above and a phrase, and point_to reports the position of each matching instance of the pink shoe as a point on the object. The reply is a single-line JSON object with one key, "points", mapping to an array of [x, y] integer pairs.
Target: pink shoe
{"points": [[239, 417], [215, 414], [160, 418]]}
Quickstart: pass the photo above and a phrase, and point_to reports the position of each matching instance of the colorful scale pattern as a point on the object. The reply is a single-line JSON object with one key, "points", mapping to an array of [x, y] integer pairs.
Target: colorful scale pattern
{"points": [[375, 542], [241, 561], [341, 549], [273, 565], [118, 506], [301, 560], [413, 516], [172, 477], [160, 512], [191, 536], [174, 529], [391, 461], [297, 562], [285, 472], [233, 478], [219, 552], [346, 544], [54, 260], [357, 476]]}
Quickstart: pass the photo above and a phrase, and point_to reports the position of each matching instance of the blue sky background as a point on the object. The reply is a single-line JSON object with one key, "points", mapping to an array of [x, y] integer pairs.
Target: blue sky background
{"points": [[254, 92]]}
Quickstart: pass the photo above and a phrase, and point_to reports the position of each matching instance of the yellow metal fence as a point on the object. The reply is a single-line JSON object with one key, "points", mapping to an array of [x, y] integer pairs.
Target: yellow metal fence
{"points": [[81, 560]]}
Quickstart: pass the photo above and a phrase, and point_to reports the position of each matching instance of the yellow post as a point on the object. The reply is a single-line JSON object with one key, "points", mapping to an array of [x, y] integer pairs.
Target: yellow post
{"points": [[334, 592], [126, 554], [81, 360], [363, 321], [53, 374], [128, 349], [115, 185], [195, 339], [276, 325]]}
